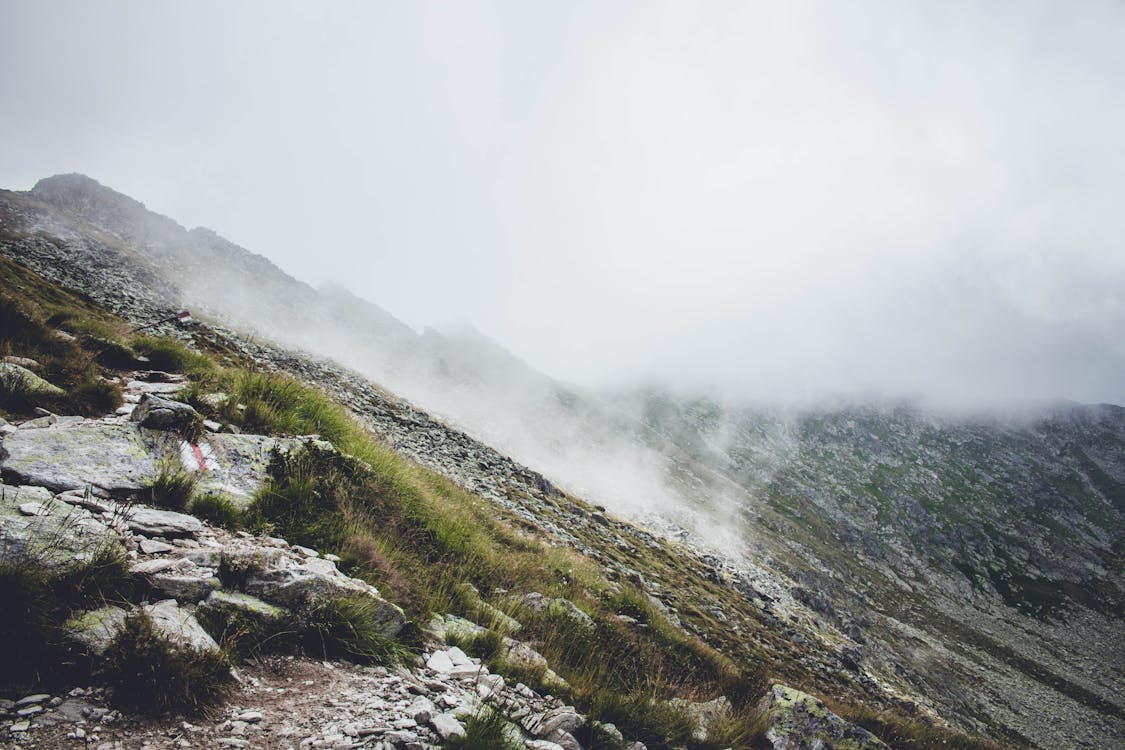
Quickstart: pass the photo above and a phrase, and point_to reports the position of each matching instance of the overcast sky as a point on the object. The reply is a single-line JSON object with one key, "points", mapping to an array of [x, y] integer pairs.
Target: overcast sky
{"points": [[776, 198]]}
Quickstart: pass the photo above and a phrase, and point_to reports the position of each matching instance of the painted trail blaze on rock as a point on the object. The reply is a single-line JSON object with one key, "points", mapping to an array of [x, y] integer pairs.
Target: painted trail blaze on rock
{"points": [[799, 721]]}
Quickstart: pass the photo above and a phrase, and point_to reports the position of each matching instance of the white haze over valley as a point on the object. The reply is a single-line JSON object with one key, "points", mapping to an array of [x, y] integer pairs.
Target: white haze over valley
{"points": [[769, 201]]}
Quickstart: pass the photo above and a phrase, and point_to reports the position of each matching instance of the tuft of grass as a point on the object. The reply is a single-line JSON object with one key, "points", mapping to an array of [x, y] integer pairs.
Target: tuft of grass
{"points": [[486, 646], [643, 716], [219, 510], [150, 674], [347, 627], [94, 395], [15, 394], [485, 730], [304, 499], [172, 487], [88, 584]]}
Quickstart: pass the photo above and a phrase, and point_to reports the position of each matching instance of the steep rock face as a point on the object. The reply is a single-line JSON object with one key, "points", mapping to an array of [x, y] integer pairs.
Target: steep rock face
{"points": [[971, 564]]}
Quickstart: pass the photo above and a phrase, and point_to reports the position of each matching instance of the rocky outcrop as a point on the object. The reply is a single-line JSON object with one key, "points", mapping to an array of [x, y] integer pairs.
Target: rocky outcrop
{"points": [[34, 525], [293, 580], [114, 458], [798, 721], [119, 458], [159, 413], [16, 377]]}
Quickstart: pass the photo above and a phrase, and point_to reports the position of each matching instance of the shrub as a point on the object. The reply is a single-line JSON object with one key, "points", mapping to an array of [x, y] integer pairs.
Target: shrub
{"points": [[219, 510], [172, 487], [150, 674]]}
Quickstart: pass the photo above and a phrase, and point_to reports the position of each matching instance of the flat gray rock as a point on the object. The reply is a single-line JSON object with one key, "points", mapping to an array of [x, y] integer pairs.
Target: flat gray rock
{"points": [[113, 457], [121, 458], [168, 523]]}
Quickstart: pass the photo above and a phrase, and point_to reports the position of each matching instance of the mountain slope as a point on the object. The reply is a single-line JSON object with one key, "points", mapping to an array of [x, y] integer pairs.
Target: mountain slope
{"points": [[970, 564]]}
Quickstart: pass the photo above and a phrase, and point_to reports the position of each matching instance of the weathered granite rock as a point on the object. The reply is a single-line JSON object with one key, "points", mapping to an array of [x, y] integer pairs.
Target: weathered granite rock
{"points": [[284, 578], [166, 523], [237, 464], [159, 413], [95, 630], [447, 725], [798, 721], [119, 459], [536, 602], [224, 608], [56, 535], [179, 625], [24, 378], [113, 458]]}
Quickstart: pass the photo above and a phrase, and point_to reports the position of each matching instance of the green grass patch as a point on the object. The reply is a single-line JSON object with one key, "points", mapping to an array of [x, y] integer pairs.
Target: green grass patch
{"points": [[173, 355], [27, 302]]}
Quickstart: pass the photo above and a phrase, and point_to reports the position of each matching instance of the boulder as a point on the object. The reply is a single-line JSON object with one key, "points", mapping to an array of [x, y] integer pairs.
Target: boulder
{"points": [[224, 609], [547, 725], [179, 626], [18, 377], [237, 464], [536, 602], [56, 535], [160, 413], [447, 725], [278, 577], [94, 631], [166, 523], [799, 721], [111, 457]]}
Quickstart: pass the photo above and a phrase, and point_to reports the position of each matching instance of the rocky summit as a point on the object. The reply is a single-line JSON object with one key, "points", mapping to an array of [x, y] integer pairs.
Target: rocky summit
{"points": [[854, 575]]}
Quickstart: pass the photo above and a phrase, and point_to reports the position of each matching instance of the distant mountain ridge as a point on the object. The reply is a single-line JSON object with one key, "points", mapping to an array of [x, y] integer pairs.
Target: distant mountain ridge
{"points": [[971, 563]]}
